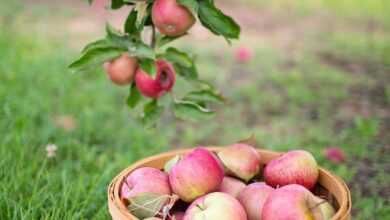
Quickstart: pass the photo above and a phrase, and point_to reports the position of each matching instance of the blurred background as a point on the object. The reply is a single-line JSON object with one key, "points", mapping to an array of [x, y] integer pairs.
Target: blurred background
{"points": [[311, 74]]}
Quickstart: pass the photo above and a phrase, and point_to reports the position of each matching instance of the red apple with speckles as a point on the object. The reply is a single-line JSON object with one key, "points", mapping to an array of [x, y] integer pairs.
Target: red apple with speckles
{"points": [[215, 206], [121, 70], [293, 167], [171, 18], [231, 186], [195, 175], [156, 87], [253, 197], [240, 160]]}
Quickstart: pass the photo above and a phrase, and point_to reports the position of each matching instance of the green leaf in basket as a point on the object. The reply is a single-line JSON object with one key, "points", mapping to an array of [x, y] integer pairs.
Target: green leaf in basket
{"points": [[147, 205], [168, 165]]}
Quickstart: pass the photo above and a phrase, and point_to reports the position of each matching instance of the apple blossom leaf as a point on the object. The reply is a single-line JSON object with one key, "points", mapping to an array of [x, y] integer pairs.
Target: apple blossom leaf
{"points": [[94, 57], [116, 4], [168, 165], [134, 96], [191, 111], [178, 57], [152, 112], [102, 43], [130, 23], [192, 5], [205, 95], [217, 22], [147, 205]]}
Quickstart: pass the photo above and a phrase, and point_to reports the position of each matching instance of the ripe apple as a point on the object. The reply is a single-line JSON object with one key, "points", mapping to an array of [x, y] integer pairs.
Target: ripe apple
{"points": [[293, 167], [231, 186], [177, 216], [171, 18], [196, 174], [240, 160], [253, 197], [121, 70], [293, 202], [156, 87], [322, 210], [215, 206], [145, 180]]}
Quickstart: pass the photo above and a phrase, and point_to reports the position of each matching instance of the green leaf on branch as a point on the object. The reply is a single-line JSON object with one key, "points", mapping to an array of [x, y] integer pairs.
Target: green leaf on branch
{"points": [[152, 112], [102, 43], [188, 110], [163, 39], [134, 46], [217, 22], [94, 57], [116, 4], [190, 73], [148, 66], [192, 5], [130, 24], [134, 96], [205, 95], [178, 57]]}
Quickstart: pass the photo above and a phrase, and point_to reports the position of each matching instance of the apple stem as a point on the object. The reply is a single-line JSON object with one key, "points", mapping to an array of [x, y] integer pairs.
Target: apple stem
{"points": [[200, 207]]}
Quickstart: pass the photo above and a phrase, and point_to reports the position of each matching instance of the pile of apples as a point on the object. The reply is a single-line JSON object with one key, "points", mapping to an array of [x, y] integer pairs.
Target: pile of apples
{"points": [[229, 185]]}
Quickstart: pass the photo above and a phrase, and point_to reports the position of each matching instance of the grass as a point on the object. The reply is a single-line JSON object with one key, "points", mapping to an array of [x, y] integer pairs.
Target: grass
{"points": [[333, 94]]}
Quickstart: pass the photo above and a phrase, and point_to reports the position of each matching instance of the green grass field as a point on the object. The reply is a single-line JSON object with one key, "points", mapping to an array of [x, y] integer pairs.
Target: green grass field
{"points": [[332, 89]]}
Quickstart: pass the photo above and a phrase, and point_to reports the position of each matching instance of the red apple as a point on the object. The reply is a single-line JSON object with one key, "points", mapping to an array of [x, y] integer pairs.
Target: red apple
{"points": [[171, 18], [195, 175], [121, 70], [177, 216], [244, 54], [231, 186], [335, 154], [253, 197], [292, 202], [158, 86], [293, 167], [322, 210], [215, 206], [240, 160], [145, 180]]}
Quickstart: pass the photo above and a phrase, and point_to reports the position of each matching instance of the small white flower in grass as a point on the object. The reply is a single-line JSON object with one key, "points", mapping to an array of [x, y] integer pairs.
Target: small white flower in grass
{"points": [[51, 150]]}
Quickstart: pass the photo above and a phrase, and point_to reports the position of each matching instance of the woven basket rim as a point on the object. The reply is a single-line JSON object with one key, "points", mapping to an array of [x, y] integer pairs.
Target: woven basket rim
{"points": [[119, 211]]}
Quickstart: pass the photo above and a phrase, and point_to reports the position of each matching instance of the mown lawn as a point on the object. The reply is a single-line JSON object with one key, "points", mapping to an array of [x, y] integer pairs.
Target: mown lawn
{"points": [[332, 91]]}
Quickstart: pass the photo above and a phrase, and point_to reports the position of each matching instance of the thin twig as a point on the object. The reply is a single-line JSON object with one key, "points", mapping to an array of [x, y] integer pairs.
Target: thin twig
{"points": [[153, 37]]}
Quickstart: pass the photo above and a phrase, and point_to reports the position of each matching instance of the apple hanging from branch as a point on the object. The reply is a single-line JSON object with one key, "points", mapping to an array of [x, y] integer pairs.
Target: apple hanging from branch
{"points": [[150, 67]]}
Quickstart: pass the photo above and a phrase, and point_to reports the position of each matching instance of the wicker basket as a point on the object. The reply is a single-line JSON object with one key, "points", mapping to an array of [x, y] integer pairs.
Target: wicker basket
{"points": [[330, 185]]}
